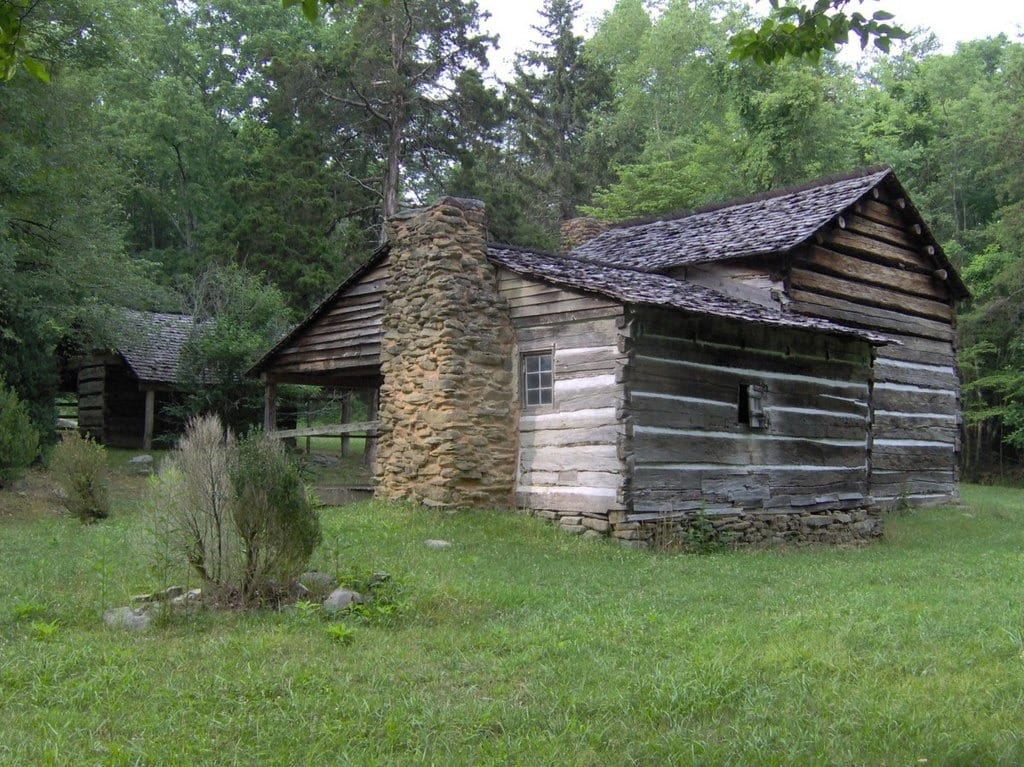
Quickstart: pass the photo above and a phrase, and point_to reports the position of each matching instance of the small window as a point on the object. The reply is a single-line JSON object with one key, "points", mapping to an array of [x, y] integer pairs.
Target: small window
{"points": [[750, 406], [538, 383]]}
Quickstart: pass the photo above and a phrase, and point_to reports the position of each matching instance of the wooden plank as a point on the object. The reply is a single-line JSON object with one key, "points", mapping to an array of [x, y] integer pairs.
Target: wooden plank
{"points": [[859, 315], [328, 430], [922, 350], [917, 374], [525, 311], [879, 251], [585, 419], [572, 335], [671, 328], [603, 479], [340, 341], [802, 421], [566, 317], [90, 387], [580, 458], [896, 235], [863, 270], [879, 211], [355, 363], [524, 289], [602, 435], [861, 293], [597, 503], [901, 398], [787, 360], [904, 457], [578, 366], [739, 450]]}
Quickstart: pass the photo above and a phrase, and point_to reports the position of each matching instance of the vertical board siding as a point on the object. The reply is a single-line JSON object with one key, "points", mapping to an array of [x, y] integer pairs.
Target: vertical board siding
{"points": [[569, 454], [873, 272], [688, 449]]}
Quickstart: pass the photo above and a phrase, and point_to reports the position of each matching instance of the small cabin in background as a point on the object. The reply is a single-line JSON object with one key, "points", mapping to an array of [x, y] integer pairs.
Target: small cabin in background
{"points": [[122, 393], [784, 366]]}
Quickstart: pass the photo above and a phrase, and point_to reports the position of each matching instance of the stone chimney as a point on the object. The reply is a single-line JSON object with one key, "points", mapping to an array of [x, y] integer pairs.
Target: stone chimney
{"points": [[576, 231], [448, 417]]}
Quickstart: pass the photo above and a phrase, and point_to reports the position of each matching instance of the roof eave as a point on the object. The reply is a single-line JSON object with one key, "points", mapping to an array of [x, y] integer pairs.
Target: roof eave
{"points": [[258, 367]]}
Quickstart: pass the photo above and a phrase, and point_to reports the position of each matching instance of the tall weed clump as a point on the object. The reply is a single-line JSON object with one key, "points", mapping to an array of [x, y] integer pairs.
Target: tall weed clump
{"points": [[19, 439], [236, 511], [79, 466]]}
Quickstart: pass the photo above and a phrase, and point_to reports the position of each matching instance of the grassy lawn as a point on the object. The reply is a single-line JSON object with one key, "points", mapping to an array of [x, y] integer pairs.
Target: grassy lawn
{"points": [[522, 645]]}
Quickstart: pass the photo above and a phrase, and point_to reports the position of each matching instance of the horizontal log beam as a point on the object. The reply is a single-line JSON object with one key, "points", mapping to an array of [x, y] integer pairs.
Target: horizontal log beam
{"points": [[368, 428]]}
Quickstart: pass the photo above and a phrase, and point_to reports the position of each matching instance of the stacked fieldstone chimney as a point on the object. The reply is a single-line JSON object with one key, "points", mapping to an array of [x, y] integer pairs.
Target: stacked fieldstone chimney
{"points": [[448, 428], [577, 231]]}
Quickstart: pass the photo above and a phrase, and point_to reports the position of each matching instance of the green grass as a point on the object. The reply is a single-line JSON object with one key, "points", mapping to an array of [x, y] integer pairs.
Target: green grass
{"points": [[522, 645]]}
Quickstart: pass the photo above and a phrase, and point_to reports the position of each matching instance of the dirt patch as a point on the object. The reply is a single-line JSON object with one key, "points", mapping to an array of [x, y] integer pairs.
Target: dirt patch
{"points": [[36, 494]]}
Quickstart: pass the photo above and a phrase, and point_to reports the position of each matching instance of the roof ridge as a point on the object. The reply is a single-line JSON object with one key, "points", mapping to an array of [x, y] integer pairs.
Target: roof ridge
{"points": [[768, 194]]}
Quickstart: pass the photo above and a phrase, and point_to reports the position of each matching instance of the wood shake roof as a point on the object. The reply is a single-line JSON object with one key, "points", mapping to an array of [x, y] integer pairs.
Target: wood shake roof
{"points": [[152, 343], [772, 223]]}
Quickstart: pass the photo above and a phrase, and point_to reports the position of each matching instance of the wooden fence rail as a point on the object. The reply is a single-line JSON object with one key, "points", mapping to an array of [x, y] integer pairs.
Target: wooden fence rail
{"points": [[368, 428]]}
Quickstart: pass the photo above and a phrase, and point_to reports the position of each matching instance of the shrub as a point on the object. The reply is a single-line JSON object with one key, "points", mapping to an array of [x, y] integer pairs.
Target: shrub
{"points": [[19, 440], [273, 515], [191, 497], [79, 467], [236, 511]]}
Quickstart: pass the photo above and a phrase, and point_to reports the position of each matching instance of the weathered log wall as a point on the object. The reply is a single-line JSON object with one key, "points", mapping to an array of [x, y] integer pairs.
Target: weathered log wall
{"points": [[872, 269], [569, 466], [688, 453], [112, 406]]}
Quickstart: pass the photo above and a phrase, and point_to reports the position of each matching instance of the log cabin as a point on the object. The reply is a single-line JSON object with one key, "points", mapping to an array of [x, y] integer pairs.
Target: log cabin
{"points": [[122, 392], [782, 366]]}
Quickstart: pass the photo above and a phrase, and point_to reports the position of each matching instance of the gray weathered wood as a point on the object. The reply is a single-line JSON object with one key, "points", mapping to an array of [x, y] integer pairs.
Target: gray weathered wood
{"points": [[327, 430]]}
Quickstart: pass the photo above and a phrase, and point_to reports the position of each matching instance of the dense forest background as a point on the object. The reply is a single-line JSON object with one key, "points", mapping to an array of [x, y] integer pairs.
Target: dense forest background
{"points": [[207, 157]]}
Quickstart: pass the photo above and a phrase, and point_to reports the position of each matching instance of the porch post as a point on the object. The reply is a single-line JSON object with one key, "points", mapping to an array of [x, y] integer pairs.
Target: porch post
{"points": [[147, 432], [269, 405], [370, 449], [346, 417]]}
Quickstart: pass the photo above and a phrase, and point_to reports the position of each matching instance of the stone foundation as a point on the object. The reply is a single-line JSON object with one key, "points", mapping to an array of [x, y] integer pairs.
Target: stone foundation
{"points": [[447, 413], [735, 529]]}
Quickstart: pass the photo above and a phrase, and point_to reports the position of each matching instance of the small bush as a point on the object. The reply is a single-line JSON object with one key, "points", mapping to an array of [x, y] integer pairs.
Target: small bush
{"points": [[278, 526], [79, 467], [190, 504], [19, 440], [236, 511]]}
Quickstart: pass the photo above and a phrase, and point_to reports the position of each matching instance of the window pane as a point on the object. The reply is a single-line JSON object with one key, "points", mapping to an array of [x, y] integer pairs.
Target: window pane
{"points": [[538, 379]]}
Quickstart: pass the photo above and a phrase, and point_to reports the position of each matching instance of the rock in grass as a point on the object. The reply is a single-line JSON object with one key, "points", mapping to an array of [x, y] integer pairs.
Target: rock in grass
{"points": [[318, 584], [342, 599], [130, 618], [141, 464], [436, 543]]}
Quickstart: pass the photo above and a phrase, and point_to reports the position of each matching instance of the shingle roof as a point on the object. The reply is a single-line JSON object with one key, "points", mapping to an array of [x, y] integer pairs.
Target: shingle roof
{"points": [[773, 223], [638, 288], [151, 344]]}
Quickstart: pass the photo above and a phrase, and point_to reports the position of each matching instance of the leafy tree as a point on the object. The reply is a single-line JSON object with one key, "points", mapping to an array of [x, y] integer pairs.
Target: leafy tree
{"points": [[708, 129], [238, 318], [19, 440], [15, 36], [805, 31], [555, 91], [63, 266], [395, 81]]}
